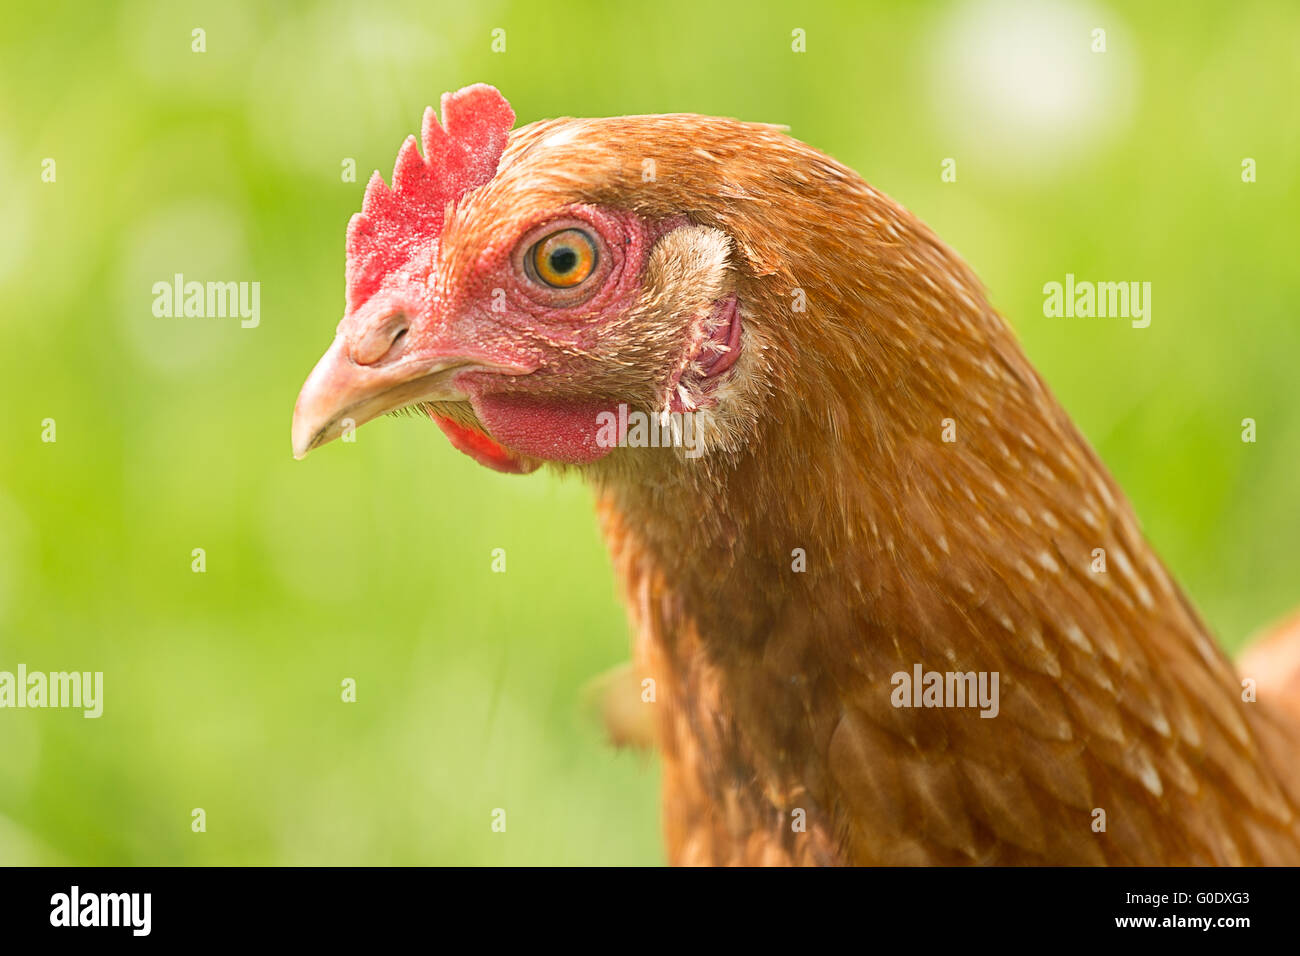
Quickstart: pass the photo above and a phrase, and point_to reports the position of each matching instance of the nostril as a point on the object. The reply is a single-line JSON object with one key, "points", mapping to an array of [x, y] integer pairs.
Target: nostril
{"points": [[383, 341], [395, 347]]}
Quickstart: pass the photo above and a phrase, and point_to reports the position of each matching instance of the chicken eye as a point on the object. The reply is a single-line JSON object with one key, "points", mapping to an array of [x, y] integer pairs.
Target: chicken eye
{"points": [[563, 259]]}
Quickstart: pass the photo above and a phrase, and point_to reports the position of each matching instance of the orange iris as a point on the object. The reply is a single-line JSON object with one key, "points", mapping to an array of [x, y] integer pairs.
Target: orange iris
{"points": [[565, 258]]}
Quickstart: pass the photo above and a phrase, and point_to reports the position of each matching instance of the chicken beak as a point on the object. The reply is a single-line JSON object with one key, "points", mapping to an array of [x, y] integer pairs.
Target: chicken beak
{"points": [[341, 393]]}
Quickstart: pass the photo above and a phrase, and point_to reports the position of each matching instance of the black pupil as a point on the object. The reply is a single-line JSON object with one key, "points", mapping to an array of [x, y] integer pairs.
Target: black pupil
{"points": [[563, 260]]}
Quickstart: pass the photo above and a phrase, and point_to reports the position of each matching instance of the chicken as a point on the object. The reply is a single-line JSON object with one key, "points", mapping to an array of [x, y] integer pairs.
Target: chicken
{"points": [[862, 483]]}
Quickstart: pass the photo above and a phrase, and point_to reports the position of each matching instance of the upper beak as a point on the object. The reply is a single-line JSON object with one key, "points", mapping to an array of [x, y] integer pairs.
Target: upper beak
{"points": [[341, 393]]}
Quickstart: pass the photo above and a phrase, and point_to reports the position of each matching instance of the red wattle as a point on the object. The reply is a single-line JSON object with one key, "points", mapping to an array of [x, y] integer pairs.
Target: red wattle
{"points": [[483, 449], [550, 429]]}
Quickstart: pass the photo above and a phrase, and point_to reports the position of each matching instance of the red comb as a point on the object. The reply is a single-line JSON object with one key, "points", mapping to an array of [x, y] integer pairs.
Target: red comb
{"points": [[396, 223]]}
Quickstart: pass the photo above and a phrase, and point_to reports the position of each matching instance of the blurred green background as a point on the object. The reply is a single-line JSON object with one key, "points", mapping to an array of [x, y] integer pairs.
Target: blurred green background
{"points": [[372, 560]]}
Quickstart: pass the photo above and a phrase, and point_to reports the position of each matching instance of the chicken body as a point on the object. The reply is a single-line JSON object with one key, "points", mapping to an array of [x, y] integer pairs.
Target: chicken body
{"points": [[886, 485]]}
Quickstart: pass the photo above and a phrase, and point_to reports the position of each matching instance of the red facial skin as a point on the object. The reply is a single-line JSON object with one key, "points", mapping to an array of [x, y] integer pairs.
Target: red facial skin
{"points": [[518, 322], [546, 416]]}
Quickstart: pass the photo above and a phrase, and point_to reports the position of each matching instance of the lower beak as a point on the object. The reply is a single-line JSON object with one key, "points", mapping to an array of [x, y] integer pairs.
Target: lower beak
{"points": [[341, 394]]}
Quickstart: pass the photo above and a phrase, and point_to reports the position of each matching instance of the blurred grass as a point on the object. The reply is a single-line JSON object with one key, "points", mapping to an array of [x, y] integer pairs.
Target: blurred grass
{"points": [[372, 561]]}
